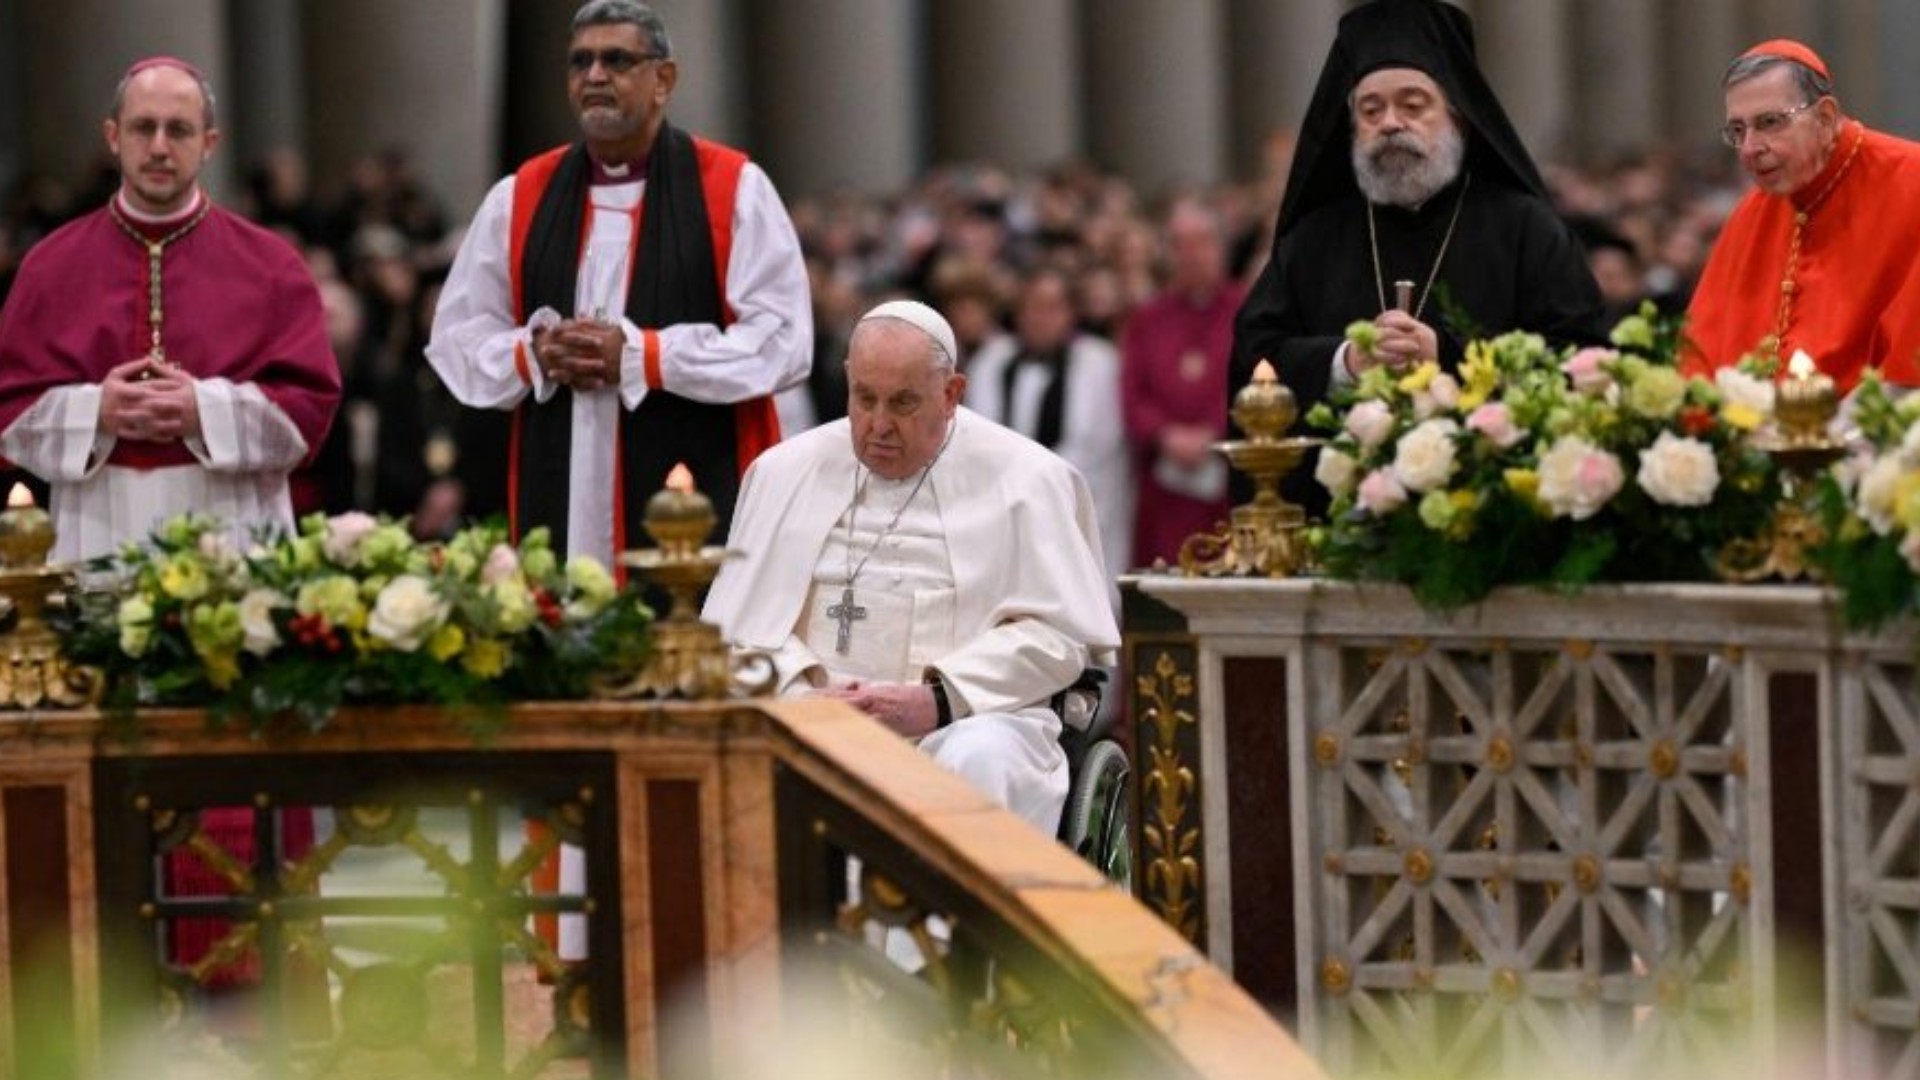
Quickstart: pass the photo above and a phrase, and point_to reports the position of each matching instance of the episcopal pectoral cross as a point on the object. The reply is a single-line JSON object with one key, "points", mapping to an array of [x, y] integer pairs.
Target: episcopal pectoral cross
{"points": [[846, 612]]}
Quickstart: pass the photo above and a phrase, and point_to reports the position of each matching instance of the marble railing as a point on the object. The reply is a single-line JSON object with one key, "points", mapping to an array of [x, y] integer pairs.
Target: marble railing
{"points": [[369, 901], [1597, 834]]}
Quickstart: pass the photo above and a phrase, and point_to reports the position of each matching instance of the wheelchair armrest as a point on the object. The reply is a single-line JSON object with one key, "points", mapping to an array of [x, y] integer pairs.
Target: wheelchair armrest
{"points": [[1078, 705]]}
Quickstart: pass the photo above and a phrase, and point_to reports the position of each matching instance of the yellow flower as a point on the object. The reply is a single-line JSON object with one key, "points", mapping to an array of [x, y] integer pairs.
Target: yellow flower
{"points": [[1524, 483], [446, 643], [1479, 376], [1743, 417], [336, 599], [184, 578], [485, 658], [1906, 500], [1420, 377], [222, 669]]}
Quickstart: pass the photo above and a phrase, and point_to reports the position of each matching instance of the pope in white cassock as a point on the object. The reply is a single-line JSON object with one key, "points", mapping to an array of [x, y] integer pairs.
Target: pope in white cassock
{"points": [[926, 565]]}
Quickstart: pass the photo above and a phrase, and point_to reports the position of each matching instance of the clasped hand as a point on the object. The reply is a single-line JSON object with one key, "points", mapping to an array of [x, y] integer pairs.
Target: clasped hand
{"points": [[149, 400], [1404, 342], [907, 708], [580, 353]]}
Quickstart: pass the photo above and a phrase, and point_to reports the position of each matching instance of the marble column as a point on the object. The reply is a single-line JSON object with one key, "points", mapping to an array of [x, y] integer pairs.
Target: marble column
{"points": [[269, 81], [1859, 49], [1157, 90], [424, 77], [1006, 82], [1703, 35], [1900, 106], [1620, 83], [1274, 55], [1526, 48], [537, 114], [13, 92], [72, 55], [711, 96], [836, 93]]}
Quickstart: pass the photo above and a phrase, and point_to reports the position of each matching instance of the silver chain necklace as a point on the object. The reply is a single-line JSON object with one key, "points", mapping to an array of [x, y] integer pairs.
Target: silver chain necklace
{"points": [[846, 612], [1373, 242]]}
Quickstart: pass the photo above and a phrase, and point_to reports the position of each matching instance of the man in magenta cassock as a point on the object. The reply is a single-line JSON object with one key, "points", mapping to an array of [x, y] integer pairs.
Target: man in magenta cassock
{"points": [[161, 354]]}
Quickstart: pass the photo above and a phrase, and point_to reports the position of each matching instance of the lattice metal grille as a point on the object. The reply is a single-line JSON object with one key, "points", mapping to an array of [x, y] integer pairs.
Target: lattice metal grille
{"points": [[1879, 787], [1527, 854], [402, 943]]}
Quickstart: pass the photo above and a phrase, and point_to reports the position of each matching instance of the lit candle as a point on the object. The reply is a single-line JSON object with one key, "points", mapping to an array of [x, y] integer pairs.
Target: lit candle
{"points": [[679, 517], [26, 532], [1264, 408], [1805, 401]]}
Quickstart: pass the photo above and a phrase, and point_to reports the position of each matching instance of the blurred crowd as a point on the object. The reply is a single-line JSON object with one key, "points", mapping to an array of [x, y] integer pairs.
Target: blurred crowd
{"points": [[1029, 263]]}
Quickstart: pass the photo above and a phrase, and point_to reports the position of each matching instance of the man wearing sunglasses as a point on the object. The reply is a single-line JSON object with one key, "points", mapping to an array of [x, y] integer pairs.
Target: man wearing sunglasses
{"points": [[1818, 256], [634, 299]]}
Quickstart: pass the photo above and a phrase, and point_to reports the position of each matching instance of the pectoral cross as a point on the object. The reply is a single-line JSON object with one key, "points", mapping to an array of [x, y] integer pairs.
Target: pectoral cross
{"points": [[846, 612]]}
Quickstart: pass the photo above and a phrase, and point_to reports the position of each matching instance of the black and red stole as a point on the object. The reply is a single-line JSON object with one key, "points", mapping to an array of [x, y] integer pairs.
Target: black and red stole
{"points": [[678, 276]]}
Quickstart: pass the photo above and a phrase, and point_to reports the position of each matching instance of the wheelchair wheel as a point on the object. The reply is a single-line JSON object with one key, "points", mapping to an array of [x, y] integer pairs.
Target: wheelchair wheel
{"points": [[1095, 824]]}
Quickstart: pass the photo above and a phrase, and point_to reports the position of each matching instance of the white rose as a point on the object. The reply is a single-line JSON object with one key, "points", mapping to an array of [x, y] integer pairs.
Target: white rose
{"points": [[1910, 550], [1370, 422], [502, 563], [1679, 471], [1336, 471], [1577, 478], [1424, 458], [1740, 388], [1445, 390], [1910, 447], [407, 611], [259, 635], [344, 533], [1878, 490]]}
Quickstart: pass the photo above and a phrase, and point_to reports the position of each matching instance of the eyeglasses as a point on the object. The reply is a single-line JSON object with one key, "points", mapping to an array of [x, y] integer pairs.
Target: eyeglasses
{"points": [[1766, 125], [613, 61]]}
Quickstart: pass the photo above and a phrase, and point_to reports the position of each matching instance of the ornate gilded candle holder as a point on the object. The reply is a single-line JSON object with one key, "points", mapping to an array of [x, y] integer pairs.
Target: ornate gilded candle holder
{"points": [[688, 659], [1265, 537], [1802, 446], [34, 673]]}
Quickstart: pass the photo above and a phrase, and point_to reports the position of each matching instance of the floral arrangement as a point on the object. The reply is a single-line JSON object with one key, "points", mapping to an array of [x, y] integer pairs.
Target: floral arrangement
{"points": [[1543, 467], [349, 609], [1869, 508]]}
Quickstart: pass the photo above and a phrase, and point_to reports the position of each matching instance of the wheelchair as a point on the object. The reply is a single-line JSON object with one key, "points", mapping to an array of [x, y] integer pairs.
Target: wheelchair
{"points": [[1097, 819]]}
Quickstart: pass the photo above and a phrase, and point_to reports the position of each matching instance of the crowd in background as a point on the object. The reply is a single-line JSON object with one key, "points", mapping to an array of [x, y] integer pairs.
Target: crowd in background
{"points": [[1015, 259]]}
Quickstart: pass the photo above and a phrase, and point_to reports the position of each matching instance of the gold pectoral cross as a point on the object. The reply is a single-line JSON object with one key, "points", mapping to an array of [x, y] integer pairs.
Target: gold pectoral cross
{"points": [[846, 612]]}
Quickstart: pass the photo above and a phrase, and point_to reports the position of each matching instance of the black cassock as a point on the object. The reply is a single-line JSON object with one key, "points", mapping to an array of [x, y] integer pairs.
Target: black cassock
{"points": [[1511, 265]]}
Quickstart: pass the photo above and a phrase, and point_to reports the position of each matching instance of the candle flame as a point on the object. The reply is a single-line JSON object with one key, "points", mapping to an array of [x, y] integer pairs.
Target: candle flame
{"points": [[680, 479], [20, 497], [1801, 365], [1263, 372]]}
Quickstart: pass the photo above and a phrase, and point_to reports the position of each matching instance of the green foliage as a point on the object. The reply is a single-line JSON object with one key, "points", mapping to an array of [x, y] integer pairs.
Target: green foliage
{"points": [[349, 609], [1541, 467]]}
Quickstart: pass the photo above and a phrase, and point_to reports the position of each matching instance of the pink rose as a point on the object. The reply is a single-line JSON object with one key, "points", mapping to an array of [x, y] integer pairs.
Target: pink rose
{"points": [[502, 563], [1494, 422], [344, 533], [1587, 369], [1445, 390], [1577, 478], [1381, 493], [1370, 422]]}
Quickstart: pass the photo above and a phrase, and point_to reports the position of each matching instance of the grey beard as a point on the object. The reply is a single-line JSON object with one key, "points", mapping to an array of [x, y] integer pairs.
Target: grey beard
{"points": [[1410, 184]]}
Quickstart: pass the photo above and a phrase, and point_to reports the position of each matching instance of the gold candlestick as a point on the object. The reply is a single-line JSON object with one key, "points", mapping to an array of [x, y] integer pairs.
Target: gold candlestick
{"points": [[34, 673], [1264, 537], [688, 658], [1805, 403]]}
